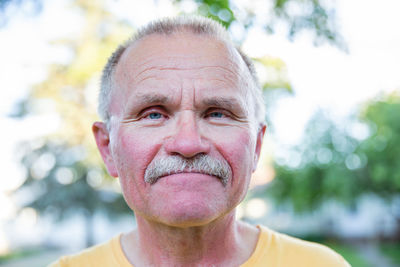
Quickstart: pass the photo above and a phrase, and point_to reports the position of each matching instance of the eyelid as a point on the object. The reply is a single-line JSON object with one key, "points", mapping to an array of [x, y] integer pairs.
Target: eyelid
{"points": [[227, 113], [145, 112], [151, 109], [221, 110]]}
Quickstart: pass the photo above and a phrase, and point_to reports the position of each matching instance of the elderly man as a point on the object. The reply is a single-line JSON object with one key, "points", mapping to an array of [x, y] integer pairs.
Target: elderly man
{"points": [[183, 127]]}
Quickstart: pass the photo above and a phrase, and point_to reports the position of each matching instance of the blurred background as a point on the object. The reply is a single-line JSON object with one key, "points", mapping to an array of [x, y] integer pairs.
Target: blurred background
{"points": [[330, 165]]}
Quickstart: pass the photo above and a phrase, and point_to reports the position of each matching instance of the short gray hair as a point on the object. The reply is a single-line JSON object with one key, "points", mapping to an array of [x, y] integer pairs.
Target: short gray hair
{"points": [[167, 26]]}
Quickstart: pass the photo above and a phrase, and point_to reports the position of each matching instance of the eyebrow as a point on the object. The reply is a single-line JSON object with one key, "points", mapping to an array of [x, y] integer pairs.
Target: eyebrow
{"points": [[223, 102], [228, 103], [152, 99], [144, 99]]}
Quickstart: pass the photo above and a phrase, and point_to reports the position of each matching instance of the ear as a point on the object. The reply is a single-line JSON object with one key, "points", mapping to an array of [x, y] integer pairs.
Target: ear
{"points": [[259, 141], [102, 137]]}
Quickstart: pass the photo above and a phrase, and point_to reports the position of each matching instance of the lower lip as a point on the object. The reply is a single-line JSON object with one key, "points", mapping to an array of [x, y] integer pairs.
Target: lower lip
{"points": [[188, 177]]}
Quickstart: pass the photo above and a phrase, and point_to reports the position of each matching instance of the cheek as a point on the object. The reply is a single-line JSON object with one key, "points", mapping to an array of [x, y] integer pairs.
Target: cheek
{"points": [[134, 150], [237, 147], [132, 154], [238, 150]]}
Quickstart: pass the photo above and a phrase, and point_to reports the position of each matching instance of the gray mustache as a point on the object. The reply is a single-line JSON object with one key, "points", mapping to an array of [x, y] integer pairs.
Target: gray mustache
{"points": [[176, 164]]}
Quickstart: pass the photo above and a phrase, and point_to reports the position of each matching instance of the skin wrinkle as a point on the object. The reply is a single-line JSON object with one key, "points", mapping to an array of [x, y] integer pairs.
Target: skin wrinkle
{"points": [[200, 234], [171, 59], [232, 78], [145, 100], [224, 103], [209, 32], [230, 104], [231, 53], [234, 109], [229, 73], [183, 220]]}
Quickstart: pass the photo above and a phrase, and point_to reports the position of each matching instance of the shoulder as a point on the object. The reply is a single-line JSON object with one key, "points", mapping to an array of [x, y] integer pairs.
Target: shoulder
{"points": [[285, 250], [105, 254]]}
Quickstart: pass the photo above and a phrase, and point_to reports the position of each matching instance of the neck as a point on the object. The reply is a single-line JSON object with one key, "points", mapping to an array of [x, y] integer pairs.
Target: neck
{"points": [[224, 242]]}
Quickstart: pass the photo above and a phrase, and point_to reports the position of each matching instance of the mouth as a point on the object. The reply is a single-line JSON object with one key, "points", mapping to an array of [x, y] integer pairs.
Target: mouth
{"points": [[188, 172], [176, 165], [223, 180]]}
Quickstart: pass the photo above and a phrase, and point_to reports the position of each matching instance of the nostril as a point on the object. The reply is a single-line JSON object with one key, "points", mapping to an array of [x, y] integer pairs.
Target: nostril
{"points": [[187, 140], [189, 158], [187, 147]]}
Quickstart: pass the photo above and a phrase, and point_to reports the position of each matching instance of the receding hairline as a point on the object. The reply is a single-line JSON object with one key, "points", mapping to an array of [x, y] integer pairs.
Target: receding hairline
{"points": [[141, 44], [183, 30], [195, 25]]}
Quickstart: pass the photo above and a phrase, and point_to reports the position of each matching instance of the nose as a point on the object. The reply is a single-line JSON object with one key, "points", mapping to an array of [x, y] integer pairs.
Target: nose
{"points": [[187, 140]]}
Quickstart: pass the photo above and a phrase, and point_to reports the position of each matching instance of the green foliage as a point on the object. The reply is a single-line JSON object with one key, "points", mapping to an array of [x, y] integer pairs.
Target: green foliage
{"points": [[391, 250], [321, 173], [298, 15], [63, 183], [218, 10], [65, 174], [383, 146], [308, 14], [19, 254], [336, 165], [350, 253]]}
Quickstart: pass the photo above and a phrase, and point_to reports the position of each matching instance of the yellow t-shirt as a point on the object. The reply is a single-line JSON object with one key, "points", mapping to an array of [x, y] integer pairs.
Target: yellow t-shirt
{"points": [[273, 250]]}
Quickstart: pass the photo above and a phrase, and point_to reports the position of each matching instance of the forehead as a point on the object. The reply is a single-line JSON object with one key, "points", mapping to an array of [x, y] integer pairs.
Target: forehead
{"points": [[179, 51], [203, 60], [186, 49]]}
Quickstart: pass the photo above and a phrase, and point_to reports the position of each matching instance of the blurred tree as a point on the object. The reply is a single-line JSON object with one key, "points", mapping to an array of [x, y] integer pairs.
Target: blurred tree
{"points": [[314, 15], [335, 162], [64, 173], [316, 170], [63, 183], [297, 15], [382, 149]]}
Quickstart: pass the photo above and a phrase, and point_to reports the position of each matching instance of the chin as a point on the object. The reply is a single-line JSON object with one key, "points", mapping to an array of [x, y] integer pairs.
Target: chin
{"points": [[187, 222], [189, 215]]}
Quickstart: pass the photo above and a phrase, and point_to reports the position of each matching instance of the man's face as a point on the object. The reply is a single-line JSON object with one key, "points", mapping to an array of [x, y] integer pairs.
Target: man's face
{"points": [[181, 96]]}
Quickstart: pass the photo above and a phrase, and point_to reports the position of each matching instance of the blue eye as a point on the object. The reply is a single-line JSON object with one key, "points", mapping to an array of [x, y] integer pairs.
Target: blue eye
{"points": [[155, 115], [216, 114]]}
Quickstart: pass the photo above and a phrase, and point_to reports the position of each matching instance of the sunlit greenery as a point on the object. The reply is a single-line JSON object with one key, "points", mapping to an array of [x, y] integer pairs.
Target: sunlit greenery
{"points": [[344, 160], [391, 250], [350, 254]]}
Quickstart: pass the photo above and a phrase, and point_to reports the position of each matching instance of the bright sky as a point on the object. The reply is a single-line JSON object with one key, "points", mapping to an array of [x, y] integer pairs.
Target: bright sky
{"points": [[329, 78], [321, 77]]}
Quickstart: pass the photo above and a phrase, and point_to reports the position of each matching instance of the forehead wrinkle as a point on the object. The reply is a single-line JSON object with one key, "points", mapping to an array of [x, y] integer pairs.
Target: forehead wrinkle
{"points": [[179, 62], [162, 68], [229, 79]]}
